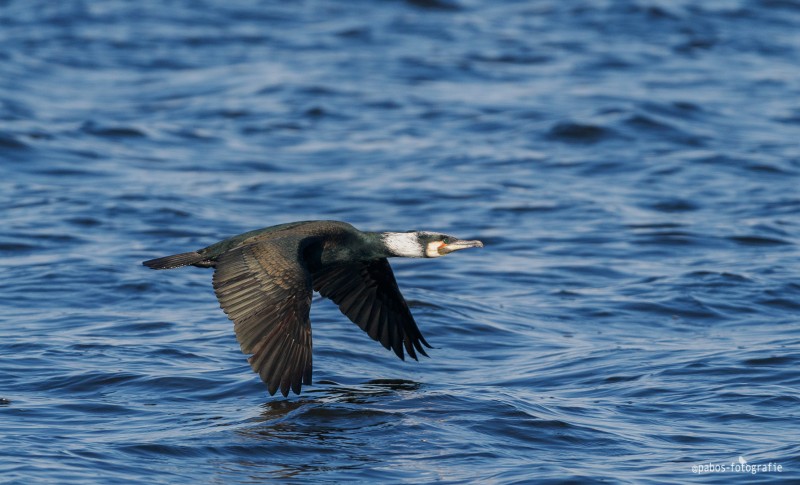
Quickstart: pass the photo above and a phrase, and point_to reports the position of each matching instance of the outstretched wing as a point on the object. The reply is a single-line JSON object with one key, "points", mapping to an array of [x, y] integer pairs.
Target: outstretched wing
{"points": [[266, 291], [368, 294]]}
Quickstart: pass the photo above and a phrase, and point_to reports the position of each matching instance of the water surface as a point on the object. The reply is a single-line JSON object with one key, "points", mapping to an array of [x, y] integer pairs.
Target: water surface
{"points": [[632, 167]]}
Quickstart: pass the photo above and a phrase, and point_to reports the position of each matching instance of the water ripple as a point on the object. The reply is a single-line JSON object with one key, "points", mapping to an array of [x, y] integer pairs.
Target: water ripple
{"points": [[631, 167]]}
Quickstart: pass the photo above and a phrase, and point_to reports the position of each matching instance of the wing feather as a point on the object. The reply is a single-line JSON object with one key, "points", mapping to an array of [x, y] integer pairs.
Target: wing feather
{"points": [[265, 289], [367, 293]]}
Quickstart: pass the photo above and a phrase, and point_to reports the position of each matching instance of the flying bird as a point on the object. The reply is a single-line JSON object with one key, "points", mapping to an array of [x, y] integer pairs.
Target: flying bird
{"points": [[264, 280]]}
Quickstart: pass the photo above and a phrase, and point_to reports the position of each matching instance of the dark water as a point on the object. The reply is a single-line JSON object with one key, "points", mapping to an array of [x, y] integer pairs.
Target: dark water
{"points": [[632, 166]]}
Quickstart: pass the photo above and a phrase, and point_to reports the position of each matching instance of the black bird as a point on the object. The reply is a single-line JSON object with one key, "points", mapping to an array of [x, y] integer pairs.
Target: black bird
{"points": [[264, 279]]}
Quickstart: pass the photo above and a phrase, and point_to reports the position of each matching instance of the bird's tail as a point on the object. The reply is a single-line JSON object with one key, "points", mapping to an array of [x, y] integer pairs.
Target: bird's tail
{"points": [[174, 261]]}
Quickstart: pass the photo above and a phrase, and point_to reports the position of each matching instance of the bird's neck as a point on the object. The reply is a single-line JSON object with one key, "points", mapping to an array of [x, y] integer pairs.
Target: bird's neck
{"points": [[401, 244]]}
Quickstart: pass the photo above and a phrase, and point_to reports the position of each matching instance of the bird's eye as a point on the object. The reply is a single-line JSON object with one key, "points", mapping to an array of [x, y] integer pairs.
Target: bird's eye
{"points": [[446, 240]]}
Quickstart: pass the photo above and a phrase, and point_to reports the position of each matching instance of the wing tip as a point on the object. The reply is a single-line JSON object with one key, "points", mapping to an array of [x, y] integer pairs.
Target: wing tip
{"points": [[285, 387]]}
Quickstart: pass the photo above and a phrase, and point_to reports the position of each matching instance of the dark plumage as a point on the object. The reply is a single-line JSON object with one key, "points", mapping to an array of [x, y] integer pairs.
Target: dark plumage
{"points": [[264, 281]]}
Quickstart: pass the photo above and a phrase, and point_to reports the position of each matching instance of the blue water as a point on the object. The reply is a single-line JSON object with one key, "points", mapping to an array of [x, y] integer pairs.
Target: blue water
{"points": [[632, 166]]}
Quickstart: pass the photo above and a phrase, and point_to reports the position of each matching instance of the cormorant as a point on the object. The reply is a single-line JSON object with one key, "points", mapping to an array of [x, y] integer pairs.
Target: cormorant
{"points": [[264, 279]]}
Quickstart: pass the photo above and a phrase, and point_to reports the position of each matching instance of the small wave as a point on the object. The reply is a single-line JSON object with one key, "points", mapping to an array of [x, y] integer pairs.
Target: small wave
{"points": [[112, 131], [715, 277], [529, 208], [13, 247], [780, 303], [670, 238], [684, 307], [776, 360], [675, 205], [11, 142], [84, 221], [441, 5], [574, 132], [641, 124], [89, 382], [521, 58], [758, 241]]}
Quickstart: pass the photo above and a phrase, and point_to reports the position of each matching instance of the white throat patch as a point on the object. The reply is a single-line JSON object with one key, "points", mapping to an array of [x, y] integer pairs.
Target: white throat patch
{"points": [[404, 244]]}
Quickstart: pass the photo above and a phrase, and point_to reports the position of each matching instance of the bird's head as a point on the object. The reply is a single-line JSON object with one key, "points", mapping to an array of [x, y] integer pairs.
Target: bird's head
{"points": [[423, 244]]}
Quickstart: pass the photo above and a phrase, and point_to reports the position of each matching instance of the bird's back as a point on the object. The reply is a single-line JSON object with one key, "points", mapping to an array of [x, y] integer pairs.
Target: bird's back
{"points": [[299, 230]]}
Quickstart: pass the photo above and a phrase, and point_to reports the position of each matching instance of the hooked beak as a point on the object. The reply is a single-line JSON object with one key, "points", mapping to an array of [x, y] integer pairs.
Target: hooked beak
{"points": [[459, 244]]}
